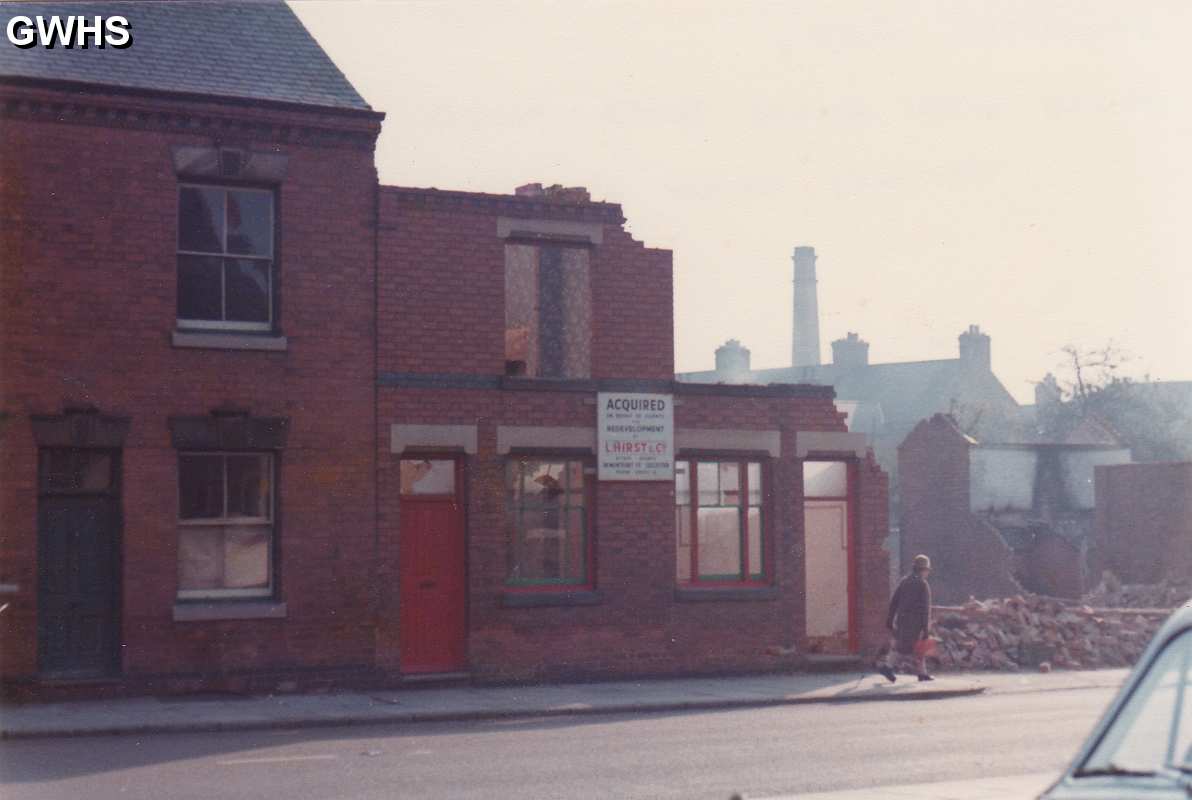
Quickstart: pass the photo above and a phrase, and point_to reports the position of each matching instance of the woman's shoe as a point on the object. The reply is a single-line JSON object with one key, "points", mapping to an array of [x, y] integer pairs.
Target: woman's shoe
{"points": [[925, 677], [886, 673]]}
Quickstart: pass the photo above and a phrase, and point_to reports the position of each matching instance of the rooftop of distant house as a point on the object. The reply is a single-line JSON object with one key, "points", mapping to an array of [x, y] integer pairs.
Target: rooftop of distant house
{"points": [[907, 391]]}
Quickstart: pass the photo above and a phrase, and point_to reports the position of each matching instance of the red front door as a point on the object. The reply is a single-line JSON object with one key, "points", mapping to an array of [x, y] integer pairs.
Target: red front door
{"points": [[433, 588]]}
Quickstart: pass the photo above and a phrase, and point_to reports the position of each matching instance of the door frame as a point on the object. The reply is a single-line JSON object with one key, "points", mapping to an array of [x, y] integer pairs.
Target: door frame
{"points": [[460, 498], [114, 494], [852, 563]]}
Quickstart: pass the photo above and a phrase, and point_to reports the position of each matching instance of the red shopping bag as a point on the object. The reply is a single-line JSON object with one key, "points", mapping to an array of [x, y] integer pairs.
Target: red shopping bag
{"points": [[925, 648]]}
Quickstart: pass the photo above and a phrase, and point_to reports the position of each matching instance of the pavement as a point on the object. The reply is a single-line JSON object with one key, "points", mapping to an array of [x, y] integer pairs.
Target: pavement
{"points": [[141, 715]]}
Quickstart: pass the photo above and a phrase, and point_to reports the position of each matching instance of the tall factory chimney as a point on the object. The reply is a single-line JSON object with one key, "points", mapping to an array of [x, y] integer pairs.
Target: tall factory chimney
{"points": [[805, 346]]}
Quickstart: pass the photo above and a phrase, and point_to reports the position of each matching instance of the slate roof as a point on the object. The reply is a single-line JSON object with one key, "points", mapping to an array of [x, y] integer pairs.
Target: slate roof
{"points": [[906, 391], [1174, 392], [246, 50], [1170, 398]]}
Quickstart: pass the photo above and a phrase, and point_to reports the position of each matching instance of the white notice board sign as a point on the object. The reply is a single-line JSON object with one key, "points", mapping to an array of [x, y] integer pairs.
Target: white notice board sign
{"points": [[635, 436]]}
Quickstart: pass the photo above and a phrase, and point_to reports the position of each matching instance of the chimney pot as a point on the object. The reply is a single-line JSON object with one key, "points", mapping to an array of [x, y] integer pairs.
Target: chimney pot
{"points": [[851, 351], [567, 194], [733, 362], [1047, 391], [529, 190], [975, 351]]}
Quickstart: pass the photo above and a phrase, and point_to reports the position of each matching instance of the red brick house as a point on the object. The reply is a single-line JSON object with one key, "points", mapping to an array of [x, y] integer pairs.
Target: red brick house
{"points": [[267, 423], [187, 451], [640, 577]]}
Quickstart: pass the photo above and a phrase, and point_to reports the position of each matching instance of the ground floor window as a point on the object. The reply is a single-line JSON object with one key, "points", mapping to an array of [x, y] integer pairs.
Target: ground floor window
{"points": [[225, 525], [720, 522], [549, 522]]}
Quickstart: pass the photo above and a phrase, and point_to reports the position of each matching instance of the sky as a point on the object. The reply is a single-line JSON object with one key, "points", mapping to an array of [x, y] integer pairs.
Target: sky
{"points": [[1022, 166]]}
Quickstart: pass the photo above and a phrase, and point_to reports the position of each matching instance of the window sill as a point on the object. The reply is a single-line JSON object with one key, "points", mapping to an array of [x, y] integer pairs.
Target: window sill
{"points": [[583, 597], [240, 609], [229, 341], [690, 594]]}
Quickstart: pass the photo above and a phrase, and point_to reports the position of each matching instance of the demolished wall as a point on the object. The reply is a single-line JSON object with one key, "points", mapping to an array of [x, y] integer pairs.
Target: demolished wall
{"points": [[1030, 631]]}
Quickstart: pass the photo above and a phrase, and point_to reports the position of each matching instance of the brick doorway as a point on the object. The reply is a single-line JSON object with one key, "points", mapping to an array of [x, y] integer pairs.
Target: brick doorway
{"points": [[78, 628], [432, 570], [828, 538]]}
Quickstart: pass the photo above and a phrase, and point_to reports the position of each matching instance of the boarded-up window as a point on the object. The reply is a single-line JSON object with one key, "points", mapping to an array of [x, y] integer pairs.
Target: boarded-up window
{"points": [[225, 524], [548, 311]]}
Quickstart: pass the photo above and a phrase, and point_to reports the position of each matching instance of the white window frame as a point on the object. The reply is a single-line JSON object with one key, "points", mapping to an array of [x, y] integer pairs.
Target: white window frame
{"points": [[225, 520], [224, 324]]}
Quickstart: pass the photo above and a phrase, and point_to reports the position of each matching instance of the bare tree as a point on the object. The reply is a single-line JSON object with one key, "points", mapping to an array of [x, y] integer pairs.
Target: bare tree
{"points": [[967, 416], [1156, 427], [1091, 369]]}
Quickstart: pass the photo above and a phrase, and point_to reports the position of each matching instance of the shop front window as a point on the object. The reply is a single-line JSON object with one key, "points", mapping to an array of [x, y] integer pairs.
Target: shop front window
{"points": [[720, 522], [548, 509]]}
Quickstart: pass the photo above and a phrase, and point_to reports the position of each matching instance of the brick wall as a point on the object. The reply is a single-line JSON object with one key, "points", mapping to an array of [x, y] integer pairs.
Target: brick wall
{"points": [[1144, 521], [640, 626], [441, 293], [88, 290], [985, 565], [873, 564], [441, 317], [441, 290], [1054, 566], [933, 487], [633, 305]]}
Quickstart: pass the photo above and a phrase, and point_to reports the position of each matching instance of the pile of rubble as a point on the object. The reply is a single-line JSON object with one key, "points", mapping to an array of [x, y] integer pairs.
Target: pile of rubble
{"points": [[1041, 632], [1111, 593]]}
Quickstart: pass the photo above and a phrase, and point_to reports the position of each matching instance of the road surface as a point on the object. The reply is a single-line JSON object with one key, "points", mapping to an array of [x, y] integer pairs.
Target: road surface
{"points": [[759, 752]]}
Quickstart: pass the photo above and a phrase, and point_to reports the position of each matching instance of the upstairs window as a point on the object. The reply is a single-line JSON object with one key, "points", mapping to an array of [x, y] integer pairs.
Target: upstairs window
{"points": [[225, 258], [548, 311]]}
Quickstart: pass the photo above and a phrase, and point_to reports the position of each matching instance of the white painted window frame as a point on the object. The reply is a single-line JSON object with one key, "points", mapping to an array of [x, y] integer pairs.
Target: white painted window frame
{"points": [[225, 520]]}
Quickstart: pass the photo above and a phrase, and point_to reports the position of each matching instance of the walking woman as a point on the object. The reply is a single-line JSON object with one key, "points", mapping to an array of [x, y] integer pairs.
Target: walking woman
{"points": [[909, 620]]}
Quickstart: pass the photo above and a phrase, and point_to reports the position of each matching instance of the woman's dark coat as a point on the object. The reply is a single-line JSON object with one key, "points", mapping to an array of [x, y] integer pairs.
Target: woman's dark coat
{"points": [[910, 612]]}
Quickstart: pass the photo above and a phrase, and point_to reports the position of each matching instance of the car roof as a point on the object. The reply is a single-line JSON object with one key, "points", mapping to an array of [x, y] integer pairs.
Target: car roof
{"points": [[1179, 622], [1181, 619]]}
